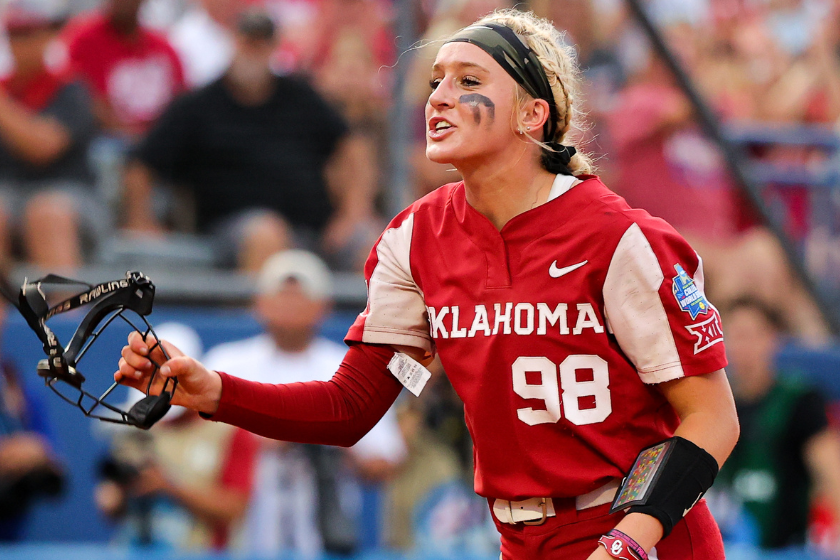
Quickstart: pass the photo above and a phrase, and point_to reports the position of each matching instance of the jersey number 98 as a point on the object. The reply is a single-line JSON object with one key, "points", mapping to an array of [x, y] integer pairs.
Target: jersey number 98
{"points": [[570, 389]]}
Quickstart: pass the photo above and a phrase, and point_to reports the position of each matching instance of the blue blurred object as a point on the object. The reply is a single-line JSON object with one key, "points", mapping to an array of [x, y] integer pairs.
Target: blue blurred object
{"points": [[451, 519], [817, 366]]}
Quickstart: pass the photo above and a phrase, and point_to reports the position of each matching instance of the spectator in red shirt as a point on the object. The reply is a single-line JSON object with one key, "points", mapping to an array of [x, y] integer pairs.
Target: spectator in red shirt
{"points": [[133, 71]]}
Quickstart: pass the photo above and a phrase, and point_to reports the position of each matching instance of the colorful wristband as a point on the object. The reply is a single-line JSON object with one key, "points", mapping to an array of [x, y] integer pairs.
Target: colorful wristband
{"points": [[619, 545]]}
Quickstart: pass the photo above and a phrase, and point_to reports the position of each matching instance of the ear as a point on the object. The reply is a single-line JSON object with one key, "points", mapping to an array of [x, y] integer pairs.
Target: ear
{"points": [[534, 114]]}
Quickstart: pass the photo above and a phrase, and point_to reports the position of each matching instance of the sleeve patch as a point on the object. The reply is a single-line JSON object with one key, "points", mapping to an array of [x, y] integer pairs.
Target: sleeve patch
{"points": [[689, 295], [708, 333]]}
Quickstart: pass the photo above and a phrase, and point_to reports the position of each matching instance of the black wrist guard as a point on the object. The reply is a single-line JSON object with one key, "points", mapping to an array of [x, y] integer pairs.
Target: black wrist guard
{"points": [[666, 481]]}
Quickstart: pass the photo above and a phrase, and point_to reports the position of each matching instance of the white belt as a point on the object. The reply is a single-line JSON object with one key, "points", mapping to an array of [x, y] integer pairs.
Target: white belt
{"points": [[534, 511]]}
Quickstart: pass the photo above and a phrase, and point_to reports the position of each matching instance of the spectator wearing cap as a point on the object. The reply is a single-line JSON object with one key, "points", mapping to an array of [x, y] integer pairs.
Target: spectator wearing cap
{"points": [[264, 158], [295, 505], [46, 124], [133, 71]]}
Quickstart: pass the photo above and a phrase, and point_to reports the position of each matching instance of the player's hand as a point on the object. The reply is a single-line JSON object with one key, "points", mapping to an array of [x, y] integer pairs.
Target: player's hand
{"points": [[198, 388]]}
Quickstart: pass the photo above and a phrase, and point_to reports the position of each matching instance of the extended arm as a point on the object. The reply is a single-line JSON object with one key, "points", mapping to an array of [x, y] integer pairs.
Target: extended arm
{"points": [[335, 412]]}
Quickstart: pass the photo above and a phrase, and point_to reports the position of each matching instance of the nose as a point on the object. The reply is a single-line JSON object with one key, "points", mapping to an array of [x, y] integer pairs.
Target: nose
{"points": [[443, 96]]}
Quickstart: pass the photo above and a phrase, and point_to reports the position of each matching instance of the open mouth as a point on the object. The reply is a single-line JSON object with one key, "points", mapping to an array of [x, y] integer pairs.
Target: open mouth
{"points": [[438, 128]]}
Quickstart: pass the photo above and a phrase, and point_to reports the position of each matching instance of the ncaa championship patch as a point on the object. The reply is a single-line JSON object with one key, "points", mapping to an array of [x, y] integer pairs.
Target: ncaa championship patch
{"points": [[689, 297]]}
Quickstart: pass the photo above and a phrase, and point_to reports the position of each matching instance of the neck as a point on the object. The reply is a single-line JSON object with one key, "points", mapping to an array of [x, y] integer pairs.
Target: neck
{"points": [[292, 341], [503, 188], [254, 93]]}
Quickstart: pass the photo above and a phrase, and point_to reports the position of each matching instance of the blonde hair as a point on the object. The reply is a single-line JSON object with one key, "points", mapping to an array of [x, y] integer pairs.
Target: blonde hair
{"points": [[558, 61]]}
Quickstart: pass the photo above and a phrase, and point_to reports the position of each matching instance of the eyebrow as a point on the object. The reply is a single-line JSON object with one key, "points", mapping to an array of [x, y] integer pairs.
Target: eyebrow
{"points": [[462, 65]]}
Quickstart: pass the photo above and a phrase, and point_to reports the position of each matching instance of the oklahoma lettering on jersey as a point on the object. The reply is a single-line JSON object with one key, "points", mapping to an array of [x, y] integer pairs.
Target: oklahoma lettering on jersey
{"points": [[553, 331], [520, 316]]}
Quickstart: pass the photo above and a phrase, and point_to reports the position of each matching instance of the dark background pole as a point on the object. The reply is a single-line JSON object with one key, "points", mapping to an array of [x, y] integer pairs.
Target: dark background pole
{"points": [[400, 133], [734, 159]]}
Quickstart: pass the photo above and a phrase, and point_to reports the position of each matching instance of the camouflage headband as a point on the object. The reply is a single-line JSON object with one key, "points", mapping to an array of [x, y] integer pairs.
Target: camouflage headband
{"points": [[519, 61]]}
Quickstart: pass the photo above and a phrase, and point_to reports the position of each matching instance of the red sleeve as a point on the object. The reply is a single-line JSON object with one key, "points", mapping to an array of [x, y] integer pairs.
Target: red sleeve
{"points": [[657, 307], [695, 323], [238, 468], [335, 412]]}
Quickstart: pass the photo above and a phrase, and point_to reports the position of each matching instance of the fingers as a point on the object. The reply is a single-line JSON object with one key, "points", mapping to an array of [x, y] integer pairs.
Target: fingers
{"points": [[134, 370], [141, 356], [147, 347], [138, 345], [129, 377], [178, 365], [134, 360]]}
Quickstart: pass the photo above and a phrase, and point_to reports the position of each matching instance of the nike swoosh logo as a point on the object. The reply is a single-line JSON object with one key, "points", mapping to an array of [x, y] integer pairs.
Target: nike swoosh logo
{"points": [[555, 272]]}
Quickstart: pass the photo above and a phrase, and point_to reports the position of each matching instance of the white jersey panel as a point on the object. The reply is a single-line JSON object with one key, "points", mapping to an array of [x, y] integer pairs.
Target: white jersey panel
{"points": [[396, 312], [634, 310]]}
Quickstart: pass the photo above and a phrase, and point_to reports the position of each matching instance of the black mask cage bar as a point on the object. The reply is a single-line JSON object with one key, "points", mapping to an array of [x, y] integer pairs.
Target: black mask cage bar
{"points": [[108, 301]]}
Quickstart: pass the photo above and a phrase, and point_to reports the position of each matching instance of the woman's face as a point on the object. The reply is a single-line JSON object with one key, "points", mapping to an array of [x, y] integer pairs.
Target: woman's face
{"points": [[751, 344], [468, 115]]}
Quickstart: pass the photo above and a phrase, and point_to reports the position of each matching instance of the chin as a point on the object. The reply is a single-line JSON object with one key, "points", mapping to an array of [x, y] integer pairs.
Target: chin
{"points": [[437, 155]]}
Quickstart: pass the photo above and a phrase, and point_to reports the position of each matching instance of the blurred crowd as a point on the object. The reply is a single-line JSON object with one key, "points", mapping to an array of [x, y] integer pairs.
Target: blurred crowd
{"points": [[261, 125], [256, 127]]}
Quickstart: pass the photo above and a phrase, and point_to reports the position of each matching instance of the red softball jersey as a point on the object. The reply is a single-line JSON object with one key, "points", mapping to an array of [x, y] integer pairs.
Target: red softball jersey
{"points": [[554, 331]]}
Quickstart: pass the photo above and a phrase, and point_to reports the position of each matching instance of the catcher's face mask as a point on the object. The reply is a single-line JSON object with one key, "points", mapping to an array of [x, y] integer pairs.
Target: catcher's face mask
{"points": [[105, 303]]}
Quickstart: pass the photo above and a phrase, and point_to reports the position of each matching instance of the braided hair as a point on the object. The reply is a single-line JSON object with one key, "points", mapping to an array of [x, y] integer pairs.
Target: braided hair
{"points": [[558, 61]]}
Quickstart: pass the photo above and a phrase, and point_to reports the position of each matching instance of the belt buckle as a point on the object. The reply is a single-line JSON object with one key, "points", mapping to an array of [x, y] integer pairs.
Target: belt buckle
{"points": [[544, 507]]}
